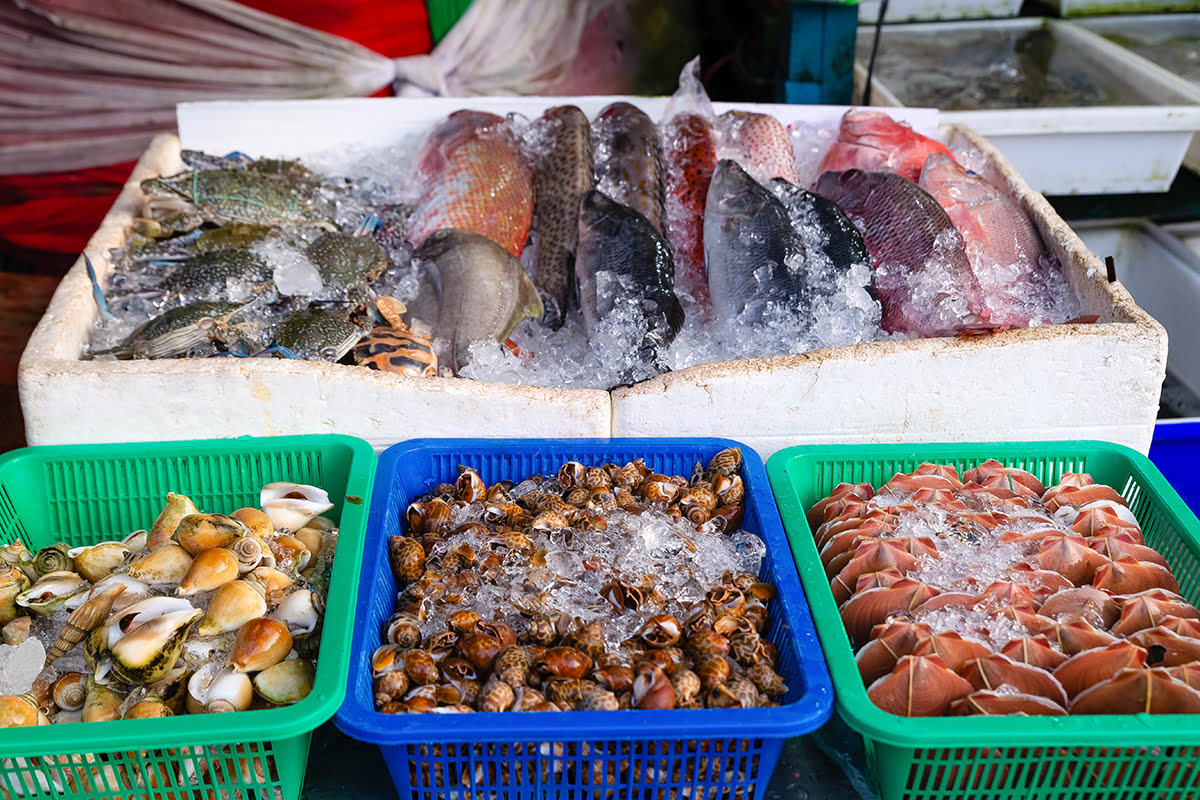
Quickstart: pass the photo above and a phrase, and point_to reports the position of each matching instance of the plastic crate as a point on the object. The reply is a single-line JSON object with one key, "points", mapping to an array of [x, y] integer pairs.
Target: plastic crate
{"points": [[578, 754], [819, 52], [1175, 450], [1134, 757], [80, 494]]}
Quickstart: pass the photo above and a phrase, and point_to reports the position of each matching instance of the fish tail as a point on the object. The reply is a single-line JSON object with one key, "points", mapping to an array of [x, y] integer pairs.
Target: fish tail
{"points": [[97, 292]]}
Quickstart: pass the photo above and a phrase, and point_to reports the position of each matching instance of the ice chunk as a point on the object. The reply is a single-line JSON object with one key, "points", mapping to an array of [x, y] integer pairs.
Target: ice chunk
{"points": [[20, 665]]}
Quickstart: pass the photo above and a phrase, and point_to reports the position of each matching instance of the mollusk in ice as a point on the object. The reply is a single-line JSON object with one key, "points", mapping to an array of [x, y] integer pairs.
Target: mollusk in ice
{"points": [[300, 611], [51, 591], [210, 569], [53, 558], [217, 688], [250, 553], [293, 505], [178, 506], [135, 590], [84, 620], [12, 583], [70, 691], [199, 532], [260, 643], [97, 561], [232, 606], [258, 525], [285, 683], [168, 564], [146, 652]]}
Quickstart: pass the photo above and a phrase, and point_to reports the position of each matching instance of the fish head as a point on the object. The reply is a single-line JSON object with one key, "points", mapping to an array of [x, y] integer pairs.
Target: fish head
{"points": [[849, 188], [600, 214], [733, 192], [437, 244], [949, 182]]}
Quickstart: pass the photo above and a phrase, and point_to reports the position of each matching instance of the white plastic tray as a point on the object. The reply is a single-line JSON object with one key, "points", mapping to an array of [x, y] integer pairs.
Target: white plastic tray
{"points": [[1053, 382], [1163, 276], [1095, 150]]}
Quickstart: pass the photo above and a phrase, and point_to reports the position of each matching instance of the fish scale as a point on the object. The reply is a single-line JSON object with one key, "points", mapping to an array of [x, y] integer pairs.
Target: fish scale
{"points": [[914, 247], [759, 143], [562, 173], [474, 180], [690, 155], [628, 160], [873, 141]]}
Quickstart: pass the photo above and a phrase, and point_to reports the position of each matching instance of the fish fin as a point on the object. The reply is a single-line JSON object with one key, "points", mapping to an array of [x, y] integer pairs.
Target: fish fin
{"points": [[552, 314], [97, 292]]}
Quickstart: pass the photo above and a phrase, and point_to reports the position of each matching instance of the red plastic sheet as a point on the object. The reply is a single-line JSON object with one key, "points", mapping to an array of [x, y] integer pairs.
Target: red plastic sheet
{"points": [[58, 212]]}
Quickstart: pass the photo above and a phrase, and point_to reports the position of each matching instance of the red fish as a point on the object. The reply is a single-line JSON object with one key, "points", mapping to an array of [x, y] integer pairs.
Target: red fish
{"points": [[1005, 250], [690, 156], [759, 144], [872, 141], [473, 179]]}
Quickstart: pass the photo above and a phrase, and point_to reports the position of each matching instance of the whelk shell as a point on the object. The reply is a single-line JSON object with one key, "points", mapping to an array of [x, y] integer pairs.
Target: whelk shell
{"points": [[199, 532], [293, 505], [216, 688], [210, 569], [232, 606], [51, 591], [167, 564], [258, 524], [70, 690], [260, 643], [147, 652], [178, 506], [99, 560], [300, 612]]}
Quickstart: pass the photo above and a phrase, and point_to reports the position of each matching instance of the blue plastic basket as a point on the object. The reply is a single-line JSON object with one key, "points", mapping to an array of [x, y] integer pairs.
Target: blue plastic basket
{"points": [[694, 754], [1175, 450]]}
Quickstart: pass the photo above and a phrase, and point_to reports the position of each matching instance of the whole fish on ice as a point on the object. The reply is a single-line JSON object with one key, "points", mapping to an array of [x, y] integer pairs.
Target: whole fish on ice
{"points": [[1021, 283], [754, 254], [624, 264], [872, 141], [562, 173], [922, 274], [759, 143], [628, 160], [483, 291], [473, 178], [836, 246]]}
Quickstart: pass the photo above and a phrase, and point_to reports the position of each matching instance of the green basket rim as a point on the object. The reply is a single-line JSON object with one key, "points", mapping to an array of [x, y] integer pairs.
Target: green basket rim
{"points": [[850, 695], [329, 685]]}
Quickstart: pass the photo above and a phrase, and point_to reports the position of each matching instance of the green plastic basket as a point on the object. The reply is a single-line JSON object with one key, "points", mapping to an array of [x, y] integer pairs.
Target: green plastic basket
{"points": [[1132, 757], [89, 493]]}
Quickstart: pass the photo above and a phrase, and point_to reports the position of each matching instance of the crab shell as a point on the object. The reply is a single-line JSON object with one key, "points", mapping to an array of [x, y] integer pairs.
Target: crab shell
{"points": [[293, 505]]}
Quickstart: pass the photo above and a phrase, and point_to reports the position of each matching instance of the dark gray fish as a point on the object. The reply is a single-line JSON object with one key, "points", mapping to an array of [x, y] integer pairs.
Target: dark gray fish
{"points": [[483, 291], [842, 244], [924, 281], [317, 334], [620, 252], [628, 159], [752, 252], [562, 173]]}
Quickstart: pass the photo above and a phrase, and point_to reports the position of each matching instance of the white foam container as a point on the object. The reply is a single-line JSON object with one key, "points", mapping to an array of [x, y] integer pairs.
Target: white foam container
{"points": [[1163, 275], [1093, 150], [917, 10], [1054, 382]]}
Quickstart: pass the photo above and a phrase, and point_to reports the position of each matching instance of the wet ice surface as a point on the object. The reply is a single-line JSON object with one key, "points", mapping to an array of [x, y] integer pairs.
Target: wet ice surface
{"points": [[1175, 45], [571, 568], [20, 665]]}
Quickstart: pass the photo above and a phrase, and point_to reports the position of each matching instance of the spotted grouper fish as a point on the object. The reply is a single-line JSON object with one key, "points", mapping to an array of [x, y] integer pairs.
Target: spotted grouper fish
{"points": [[473, 178], [689, 156], [624, 266], [871, 141], [759, 143], [562, 173], [1021, 283], [922, 275], [754, 254], [628, 160]]}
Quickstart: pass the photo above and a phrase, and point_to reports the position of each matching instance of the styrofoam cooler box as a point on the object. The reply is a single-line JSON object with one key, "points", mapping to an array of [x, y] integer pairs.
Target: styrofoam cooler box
{"points": [[914, 10], [1081, 150], [1053, 382], [1163, 276]]}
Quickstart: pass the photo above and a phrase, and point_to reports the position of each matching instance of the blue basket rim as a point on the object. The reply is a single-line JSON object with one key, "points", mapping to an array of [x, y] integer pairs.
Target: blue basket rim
{"points": [[804, 715]]}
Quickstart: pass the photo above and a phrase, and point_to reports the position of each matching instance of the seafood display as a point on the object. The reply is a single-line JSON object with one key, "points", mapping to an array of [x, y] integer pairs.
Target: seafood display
{"points": [[597, 587], [570, 251], [992, 594], [199, 613]]}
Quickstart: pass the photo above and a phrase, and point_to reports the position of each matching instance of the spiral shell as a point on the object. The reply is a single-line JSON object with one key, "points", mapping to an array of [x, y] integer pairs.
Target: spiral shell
{"points": [[496, 695], [292, 505], [512, 665], [659, 489], [53, 558], [250, 553], [712, 669], [598, 700], [577, 496], [661, 630], [260, 643], [480, 650], [571, 474], [686, 684], [470, 487], [70, 691], [390, 686], [209, 570], [199, 532], [727, 461], [768, 681], [99, 560]]}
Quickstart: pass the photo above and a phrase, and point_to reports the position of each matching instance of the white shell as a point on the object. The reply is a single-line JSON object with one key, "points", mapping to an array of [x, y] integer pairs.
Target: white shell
{"points": [[215, 687], [298, 612], [135, 590], [292, 513], [133, 616], [136, 541]]}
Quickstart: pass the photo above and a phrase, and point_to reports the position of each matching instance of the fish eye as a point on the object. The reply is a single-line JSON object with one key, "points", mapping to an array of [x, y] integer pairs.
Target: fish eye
{"points": [[849, 175]]}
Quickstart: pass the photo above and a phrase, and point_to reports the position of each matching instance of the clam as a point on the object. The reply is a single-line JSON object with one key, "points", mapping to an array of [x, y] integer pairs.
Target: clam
{"points": [[1090, 667], [53, 558], [51, 592], [1075, 636], [988, 703], [260, 643], [258, 525], [285, 683], [918, 686], [232, 606], [12, 583], [952, 648], [293, 505], [867, 580], [300, 612], [147, 652], [199, 532], [996, 670], [1136, 691], [95, 563], [1122, 545], [1070, 556], [70, 690], [215, 688], [1128, 576], [1085, 602], [178, 506], [166, 564], [864, 611], [210, 569]]}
